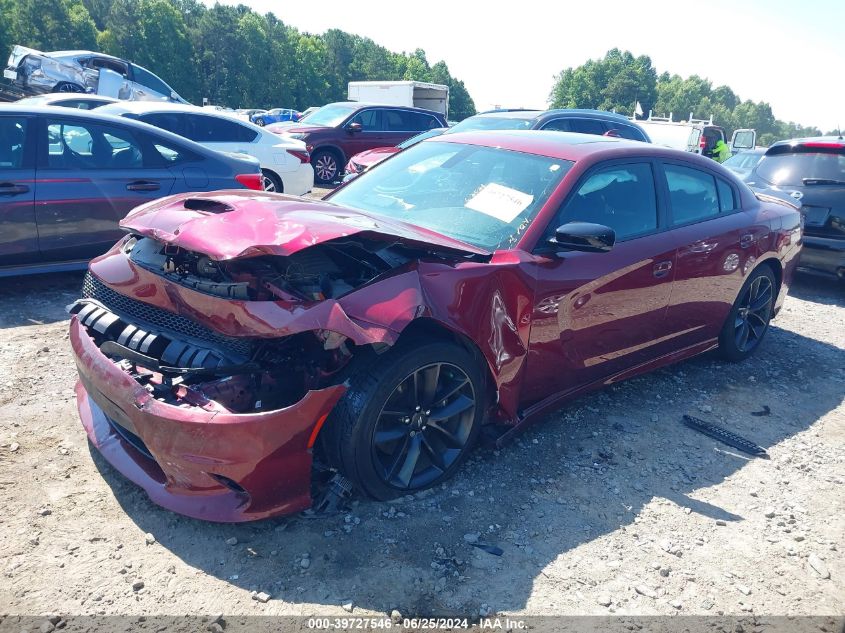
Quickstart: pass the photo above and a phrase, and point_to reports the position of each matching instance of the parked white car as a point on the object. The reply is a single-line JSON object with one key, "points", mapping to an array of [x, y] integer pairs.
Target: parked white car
{"points": [[285, 162]]}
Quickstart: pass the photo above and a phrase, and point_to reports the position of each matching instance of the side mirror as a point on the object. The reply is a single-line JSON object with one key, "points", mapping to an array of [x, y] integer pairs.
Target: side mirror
{"points": [[354, 127], [584, 236]]}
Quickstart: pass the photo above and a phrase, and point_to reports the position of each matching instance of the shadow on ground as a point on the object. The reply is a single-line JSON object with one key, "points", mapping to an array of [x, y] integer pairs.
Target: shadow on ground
{"points": [[582, 473], [37, 299]]}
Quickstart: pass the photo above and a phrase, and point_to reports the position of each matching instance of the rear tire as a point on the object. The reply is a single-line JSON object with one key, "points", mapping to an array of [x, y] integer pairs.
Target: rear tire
{"points": [[271, 182], [748, 320], [408, 419], [259, 122], [67, 86]]}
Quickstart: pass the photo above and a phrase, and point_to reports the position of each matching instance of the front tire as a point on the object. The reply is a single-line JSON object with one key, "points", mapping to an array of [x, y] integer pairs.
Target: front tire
{"points": [[259, 122], [326, 166], [408, 419], [748, 320]]}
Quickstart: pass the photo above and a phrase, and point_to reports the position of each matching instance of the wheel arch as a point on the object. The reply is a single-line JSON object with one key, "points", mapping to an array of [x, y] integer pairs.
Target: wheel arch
{"points": [[427, 328], [774, 264], [277, 176], [334, 149]]}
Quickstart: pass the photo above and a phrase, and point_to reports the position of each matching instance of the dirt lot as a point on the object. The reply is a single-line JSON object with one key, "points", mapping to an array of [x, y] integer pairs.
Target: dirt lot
{"points": [[608, 506]]}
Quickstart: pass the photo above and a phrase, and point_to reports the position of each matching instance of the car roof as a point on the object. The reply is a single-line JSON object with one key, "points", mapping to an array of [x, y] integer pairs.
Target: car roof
{"points": [[80, 53], [809, 139], [563, 145], [49, 97], [98, 116], [162, 106], [529, 115]]}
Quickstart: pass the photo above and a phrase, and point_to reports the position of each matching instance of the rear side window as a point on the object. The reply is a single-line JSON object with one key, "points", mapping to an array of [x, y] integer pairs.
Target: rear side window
{"points": [[87, 146], [626, 131], [619, 196], [692, 194], [170, 121], [395, 121], [792, 168], [216, 129], [12, 138], [587, 126], [727, 199], [558, 125], [149, 80], [418, 121]]}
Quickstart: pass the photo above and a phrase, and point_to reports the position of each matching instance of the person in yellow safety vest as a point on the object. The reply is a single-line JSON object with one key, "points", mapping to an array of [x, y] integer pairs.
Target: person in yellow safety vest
{"points": [[720, 152]]}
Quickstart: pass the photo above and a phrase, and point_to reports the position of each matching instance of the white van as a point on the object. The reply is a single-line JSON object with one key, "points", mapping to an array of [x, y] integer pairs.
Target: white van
{"points": [[695, 135]]}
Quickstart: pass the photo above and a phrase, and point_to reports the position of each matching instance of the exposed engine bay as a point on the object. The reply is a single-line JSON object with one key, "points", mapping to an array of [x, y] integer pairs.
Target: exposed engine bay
{"points": [[181, 362], [324, 271]]}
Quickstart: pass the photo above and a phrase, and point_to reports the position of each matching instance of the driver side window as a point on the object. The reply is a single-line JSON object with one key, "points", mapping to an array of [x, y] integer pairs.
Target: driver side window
{"points": [[370, 120], [619, 196]]}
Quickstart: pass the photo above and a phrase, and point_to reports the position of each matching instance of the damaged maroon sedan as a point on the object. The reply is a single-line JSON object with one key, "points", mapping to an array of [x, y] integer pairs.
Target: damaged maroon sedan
{"points": [[238, 349]]}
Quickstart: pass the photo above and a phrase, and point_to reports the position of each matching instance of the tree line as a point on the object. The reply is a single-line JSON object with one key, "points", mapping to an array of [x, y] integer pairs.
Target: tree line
{"points": [[238, 58], [231, 55], [619, 80]]}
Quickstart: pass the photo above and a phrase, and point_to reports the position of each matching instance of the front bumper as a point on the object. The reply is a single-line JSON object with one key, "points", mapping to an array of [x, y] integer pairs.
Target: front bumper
{"points": [[206, 464], [823, 255]]}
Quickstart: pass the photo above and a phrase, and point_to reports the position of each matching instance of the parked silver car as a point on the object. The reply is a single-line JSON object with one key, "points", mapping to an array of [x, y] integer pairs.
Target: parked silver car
{"points": [[34, 72]]}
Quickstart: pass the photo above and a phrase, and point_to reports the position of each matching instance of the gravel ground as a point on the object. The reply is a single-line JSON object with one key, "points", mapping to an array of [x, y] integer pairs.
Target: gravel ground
{"points": [[609, 506]]}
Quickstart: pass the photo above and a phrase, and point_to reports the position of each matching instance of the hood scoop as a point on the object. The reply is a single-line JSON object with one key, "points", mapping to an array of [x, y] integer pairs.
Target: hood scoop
{"points": [[207, 205]]}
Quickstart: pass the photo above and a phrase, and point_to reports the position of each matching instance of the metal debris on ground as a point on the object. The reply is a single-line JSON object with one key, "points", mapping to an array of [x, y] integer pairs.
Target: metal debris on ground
{"points": [[725, 436], [490, 549]]}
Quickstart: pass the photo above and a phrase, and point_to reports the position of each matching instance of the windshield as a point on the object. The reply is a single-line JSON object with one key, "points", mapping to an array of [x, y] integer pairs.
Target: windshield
{"points": [[330, 115], [491, 123], [792, 169], [483, 196]]}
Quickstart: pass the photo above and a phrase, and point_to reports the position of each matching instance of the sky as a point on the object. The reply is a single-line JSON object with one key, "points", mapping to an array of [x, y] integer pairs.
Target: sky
{"points": [[789, 54]]}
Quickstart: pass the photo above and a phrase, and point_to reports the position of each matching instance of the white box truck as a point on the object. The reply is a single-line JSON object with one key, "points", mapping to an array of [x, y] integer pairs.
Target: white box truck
{"points": [[418, 94]]}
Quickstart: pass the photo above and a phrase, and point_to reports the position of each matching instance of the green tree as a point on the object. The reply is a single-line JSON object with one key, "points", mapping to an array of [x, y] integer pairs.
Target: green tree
{"points": [[53, 24], [8, 36], [616, 82]]}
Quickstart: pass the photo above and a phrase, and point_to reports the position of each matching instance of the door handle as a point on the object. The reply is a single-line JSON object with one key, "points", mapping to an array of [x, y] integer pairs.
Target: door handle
{"points": [[746, 240], [143, 185], [10, 189], [661, 269]]}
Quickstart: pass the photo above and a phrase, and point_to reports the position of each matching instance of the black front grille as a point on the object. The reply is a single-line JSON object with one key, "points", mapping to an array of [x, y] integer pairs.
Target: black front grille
{"points": [[140, 313]]}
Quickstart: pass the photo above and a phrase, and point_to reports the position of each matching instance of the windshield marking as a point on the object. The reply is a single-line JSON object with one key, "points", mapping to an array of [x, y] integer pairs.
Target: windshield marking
{"points": [[500, 202]]}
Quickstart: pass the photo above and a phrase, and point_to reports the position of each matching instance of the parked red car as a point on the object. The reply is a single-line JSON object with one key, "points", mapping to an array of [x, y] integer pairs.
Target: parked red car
{"points": [[235, 343], [340, 130], [362, 161]]}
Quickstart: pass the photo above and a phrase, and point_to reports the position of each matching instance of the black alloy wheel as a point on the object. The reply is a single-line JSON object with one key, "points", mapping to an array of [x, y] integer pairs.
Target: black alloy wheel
{"points": [[424, 426], [752, 317], [748, 320]]}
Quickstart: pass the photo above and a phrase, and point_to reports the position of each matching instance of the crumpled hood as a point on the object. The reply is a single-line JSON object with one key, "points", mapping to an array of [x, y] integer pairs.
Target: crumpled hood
{"points": [[241, 223]]}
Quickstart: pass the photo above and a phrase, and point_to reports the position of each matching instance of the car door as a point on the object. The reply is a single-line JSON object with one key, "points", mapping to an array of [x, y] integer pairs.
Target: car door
{"points": [[599, 314], [89, 176], [371, 134], [743, 140], [18, 231], [719, 246]]}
